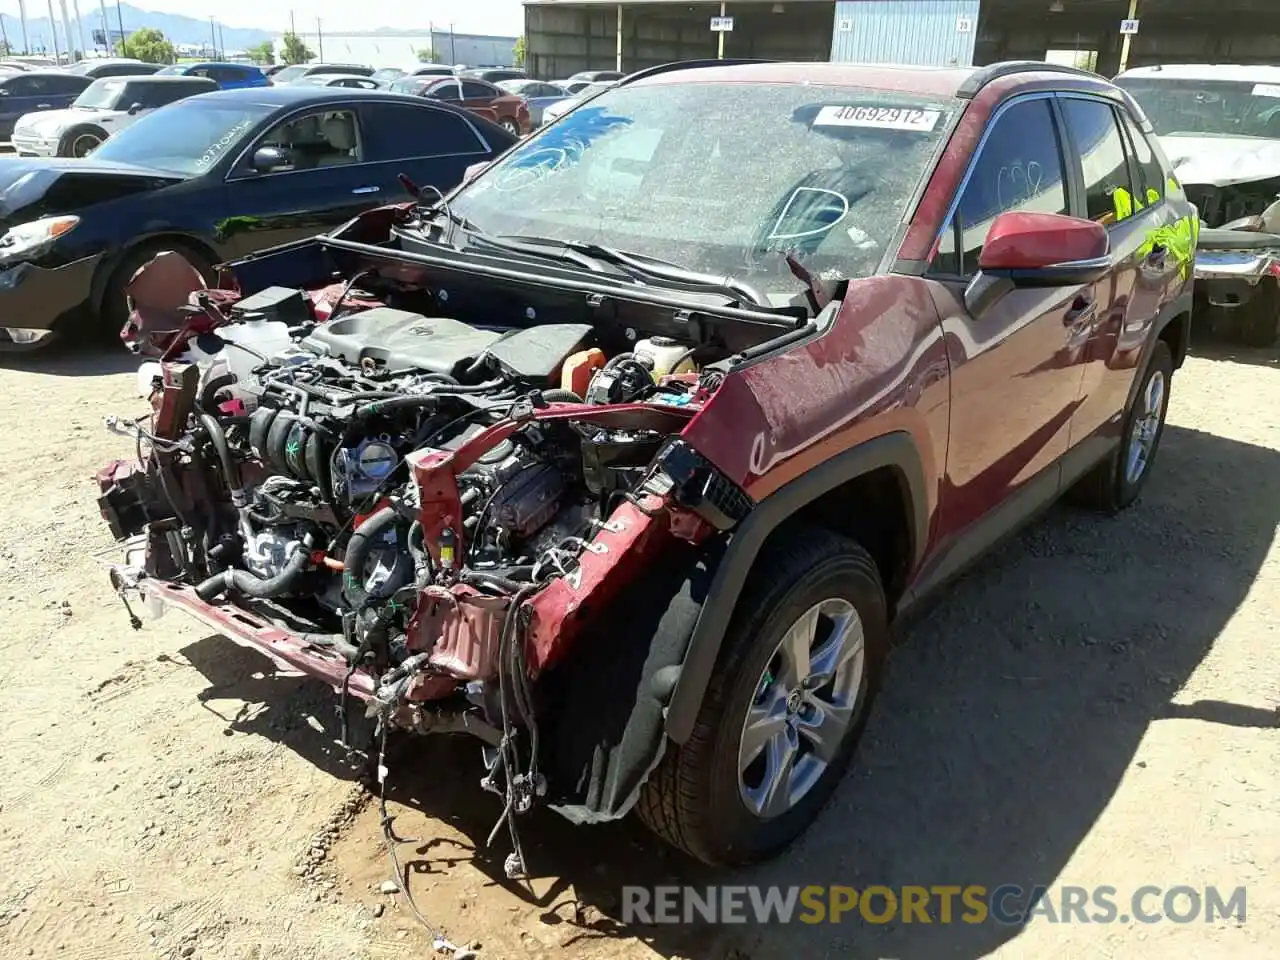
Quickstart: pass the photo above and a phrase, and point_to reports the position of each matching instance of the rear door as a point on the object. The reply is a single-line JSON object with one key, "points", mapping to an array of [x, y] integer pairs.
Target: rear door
{"points": [[1127, 196], [326, 180], [479, 97], [1014, 381], [432, 146]]}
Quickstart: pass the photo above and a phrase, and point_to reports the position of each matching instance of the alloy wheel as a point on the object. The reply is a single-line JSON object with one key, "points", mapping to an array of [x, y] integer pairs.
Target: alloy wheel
{"points": [[85, 144], [1146, 428], [805, 702]]}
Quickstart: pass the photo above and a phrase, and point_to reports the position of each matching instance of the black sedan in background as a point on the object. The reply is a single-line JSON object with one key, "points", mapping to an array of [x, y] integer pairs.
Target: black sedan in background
{"points": [[36, 92], [216, 177]]}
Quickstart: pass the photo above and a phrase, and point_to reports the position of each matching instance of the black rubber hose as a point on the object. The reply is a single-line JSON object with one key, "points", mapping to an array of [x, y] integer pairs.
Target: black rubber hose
{"points": [[209, 395], [357, 554], [219, 440], [517, 578], [242, 581], [560, 396], [379, 407]]}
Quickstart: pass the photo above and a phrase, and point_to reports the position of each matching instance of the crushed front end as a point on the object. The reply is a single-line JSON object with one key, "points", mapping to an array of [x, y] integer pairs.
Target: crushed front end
{"points": [[429, 515]]}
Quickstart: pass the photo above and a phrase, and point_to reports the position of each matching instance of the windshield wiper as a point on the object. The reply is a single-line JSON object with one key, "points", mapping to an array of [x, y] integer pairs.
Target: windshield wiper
{"points": [[642, 266]]}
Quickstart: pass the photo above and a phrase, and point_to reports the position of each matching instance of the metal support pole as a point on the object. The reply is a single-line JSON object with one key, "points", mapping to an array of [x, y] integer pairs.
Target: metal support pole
{"points": [[22, 13], [53, 32], [320, 39], [618, 65], [66, 32], [75, 6], [720, 36], [1124, 41]]}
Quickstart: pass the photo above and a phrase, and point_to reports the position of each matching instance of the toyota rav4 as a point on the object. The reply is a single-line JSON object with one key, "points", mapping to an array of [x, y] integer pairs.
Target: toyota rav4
{"points": [[624, 456]]}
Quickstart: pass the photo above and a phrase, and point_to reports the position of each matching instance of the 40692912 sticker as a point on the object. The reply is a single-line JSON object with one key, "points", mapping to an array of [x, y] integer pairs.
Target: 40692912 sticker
{"points": [[881, 118]]}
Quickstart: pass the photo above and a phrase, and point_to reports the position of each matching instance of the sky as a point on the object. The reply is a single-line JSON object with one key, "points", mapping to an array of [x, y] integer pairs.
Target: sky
{"points": [[501, 17]]}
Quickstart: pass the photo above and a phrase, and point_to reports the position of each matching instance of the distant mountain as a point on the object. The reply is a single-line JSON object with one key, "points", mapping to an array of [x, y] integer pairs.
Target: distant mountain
{"points": [[177, 28]]}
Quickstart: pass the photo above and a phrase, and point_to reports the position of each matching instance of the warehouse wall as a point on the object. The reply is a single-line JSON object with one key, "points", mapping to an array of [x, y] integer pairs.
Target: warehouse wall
{"points": [[927, 32], [563, 38]]}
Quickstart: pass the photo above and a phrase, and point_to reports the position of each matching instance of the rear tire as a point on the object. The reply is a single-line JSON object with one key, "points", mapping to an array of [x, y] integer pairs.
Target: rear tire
{"points": [[714, 796], [1259, 319], [1116, 482]]}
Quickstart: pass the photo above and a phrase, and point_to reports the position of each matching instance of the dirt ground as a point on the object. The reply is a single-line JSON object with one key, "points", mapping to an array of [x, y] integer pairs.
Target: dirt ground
{"points": [[1096, 704]]}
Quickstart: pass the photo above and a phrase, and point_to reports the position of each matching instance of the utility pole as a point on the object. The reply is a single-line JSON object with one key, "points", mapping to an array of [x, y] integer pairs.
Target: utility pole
{"points": [[320, 40], [75, 5], [106, 27], [22, 15], [222, 41], [53, 32], [213, 40], [4, 34], [453, 51], [120, 20], [66, 32], [293, 27]]}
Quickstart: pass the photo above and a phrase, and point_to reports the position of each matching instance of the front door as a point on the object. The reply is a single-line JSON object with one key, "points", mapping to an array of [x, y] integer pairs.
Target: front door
{"points": [[21, 95], [1015, 378], [323, 180]]}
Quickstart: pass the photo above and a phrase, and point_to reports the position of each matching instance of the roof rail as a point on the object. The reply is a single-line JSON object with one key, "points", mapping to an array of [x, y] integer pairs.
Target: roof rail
{"points": [[984, 75], [687, 65]]}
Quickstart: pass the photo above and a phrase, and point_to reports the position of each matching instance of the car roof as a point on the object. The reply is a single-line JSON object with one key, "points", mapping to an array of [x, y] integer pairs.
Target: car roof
{"points": [[902, 78], [45, 73], [216, 63], [1256, 73], [288, 95], [151, 78]]}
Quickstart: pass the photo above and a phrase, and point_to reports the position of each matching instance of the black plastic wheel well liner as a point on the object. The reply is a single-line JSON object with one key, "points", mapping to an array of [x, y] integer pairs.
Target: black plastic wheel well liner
{"points": [[896, 450]]}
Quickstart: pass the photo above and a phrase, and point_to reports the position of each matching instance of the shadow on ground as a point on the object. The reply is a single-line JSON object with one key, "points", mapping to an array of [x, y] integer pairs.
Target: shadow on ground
{"points": [[91, 358], [1010, 713]]}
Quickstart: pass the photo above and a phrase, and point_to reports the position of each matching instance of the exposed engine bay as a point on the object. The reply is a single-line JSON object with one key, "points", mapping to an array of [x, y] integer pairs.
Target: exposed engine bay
{"points": [[423, 512]]}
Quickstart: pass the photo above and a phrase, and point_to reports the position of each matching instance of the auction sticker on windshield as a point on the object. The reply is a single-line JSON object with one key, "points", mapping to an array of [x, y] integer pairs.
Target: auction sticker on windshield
{"points": [[1266, 90], [881, 118]]}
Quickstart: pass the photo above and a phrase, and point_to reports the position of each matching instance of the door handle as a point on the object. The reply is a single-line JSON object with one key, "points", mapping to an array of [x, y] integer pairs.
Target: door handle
{"points": [[362, 190], [1082, 308], [44, 106]]}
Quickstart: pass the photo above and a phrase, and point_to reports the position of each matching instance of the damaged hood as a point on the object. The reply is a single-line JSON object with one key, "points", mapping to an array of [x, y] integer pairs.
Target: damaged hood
{"points": [[31, 189], [1221, 161]]}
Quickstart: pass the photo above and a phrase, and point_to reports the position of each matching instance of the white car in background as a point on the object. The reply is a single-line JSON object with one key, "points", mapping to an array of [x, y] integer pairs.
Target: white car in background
{"points": [[558, 109], [105, 106]]}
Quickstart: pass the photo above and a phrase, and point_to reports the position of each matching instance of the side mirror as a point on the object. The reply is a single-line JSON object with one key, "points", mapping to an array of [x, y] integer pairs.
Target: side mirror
{"points": [[474, 170], [268, 159], [134, 108], [4, 91], [1037, 250]]}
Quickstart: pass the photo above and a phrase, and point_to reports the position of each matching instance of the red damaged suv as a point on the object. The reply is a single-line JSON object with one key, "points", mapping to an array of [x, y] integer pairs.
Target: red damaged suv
{"points": [[623, 456]]}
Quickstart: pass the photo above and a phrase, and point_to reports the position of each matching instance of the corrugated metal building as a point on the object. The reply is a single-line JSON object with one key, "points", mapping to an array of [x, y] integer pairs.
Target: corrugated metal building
{"points": [[928, 32], [565, 36]]}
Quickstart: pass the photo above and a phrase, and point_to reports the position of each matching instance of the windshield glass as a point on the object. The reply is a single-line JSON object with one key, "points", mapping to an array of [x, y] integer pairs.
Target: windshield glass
{"points": [[289, 74], [388, 73], [1208, 108], [173, 70], [187, 137], [516, 86], [101, 95], [720, 178]]}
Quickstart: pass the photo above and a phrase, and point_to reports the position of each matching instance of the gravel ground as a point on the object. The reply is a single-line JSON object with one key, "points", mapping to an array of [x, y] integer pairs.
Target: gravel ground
{"points": [[1096, 704]]}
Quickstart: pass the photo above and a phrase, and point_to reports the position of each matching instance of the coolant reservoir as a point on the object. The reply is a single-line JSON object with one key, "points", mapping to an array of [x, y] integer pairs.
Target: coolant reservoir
{"points": [[261, 339], [664, 354]]}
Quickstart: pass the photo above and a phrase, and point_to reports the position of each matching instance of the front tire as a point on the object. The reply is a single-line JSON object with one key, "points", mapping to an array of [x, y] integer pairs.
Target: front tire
{"points": [[81, 141], [785, 708], [1116, 482], [114, 310]]}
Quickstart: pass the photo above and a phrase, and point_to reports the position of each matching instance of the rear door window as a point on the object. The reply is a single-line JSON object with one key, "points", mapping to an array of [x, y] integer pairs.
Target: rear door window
{"points": [[479, 90], [398, 130], [1150, 173], [1109, 193], [1019, 168]]}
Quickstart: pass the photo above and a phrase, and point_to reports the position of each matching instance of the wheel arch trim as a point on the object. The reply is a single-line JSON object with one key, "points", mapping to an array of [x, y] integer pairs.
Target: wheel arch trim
{"points": [[896, 450]]}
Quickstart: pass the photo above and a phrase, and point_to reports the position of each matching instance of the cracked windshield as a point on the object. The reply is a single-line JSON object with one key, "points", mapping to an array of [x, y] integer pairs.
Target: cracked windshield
{"points": [[1208, 108], [719, 178]]}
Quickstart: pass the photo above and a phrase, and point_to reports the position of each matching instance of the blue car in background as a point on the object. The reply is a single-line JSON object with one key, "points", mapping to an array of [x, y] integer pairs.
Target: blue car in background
{"points": [[537, 93], [228, 76]]}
